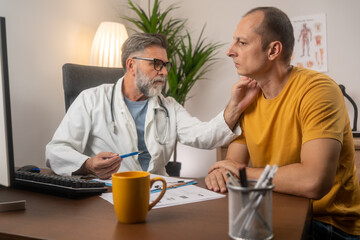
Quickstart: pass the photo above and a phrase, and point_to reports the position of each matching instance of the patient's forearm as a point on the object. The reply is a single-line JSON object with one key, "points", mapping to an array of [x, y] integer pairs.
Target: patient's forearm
{"points": [[295, 179]]}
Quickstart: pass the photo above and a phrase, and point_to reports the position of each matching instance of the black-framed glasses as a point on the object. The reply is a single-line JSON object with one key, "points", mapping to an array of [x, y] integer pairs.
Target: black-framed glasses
{"points": [[158, 64]]}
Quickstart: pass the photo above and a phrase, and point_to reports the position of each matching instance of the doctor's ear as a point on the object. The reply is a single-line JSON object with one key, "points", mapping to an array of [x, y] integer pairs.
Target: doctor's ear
{"points": [[130, 65]]}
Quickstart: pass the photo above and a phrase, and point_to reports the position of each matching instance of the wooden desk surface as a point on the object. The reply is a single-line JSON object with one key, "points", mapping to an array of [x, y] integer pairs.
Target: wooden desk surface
{"points": [[52, 217]]}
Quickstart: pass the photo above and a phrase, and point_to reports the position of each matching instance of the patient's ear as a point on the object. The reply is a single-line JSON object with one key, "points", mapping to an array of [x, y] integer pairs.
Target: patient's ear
{"points": [[274, 50]]}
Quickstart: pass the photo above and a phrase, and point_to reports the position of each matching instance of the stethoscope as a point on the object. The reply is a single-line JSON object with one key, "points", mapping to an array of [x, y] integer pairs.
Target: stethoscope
{"points": [[161, 141]]}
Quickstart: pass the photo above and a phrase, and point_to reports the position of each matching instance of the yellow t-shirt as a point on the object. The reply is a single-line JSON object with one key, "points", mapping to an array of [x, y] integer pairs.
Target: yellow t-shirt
{"points": [[310, 106]]}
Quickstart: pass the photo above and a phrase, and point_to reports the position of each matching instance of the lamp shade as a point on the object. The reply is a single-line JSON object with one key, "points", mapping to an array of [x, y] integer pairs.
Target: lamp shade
{"points": [[106, 47]]}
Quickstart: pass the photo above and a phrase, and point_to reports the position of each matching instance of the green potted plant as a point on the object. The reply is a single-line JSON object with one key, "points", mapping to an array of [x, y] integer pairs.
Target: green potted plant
{"points": [[191, 62]]}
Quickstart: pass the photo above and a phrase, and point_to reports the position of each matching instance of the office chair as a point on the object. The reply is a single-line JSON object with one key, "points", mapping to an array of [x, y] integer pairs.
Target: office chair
{"points": [[80, 77], [354, 128]]}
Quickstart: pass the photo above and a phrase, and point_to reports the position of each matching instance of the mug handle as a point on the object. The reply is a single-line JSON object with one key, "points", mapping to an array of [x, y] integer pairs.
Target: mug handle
{"points": [[163, 190]]}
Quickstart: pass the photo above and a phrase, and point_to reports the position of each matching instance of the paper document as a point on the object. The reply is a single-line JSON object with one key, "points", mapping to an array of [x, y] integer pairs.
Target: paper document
{"points": [[175, 196], [183, 195]]}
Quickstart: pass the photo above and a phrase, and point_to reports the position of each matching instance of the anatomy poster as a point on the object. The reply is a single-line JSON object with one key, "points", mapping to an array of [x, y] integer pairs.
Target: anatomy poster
{"points": [[310, 42]]}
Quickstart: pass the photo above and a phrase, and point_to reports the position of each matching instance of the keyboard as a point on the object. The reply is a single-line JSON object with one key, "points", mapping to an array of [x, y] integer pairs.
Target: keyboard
{"points": [[71, 187]]}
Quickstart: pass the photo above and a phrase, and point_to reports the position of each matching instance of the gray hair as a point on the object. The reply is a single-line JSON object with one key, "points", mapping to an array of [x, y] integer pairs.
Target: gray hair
{"points": [[138, 42]]}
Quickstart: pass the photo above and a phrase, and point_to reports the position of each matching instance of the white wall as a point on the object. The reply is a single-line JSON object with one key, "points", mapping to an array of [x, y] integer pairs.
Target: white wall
{"points": [[44, 34]]}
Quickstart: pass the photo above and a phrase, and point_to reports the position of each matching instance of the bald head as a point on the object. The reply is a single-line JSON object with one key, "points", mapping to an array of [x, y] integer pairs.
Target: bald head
{"points": [[274, 25]]}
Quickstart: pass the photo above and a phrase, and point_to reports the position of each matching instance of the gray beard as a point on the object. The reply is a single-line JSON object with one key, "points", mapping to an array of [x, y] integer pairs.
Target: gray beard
{"points": [[145, 84]]}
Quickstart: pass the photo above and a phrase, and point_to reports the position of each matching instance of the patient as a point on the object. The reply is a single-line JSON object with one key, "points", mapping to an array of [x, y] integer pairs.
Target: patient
{"points": [[298, 121]]}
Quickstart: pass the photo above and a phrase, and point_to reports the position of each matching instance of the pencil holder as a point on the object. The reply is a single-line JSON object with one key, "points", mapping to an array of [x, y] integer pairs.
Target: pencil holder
{"points": [[250, 211]]}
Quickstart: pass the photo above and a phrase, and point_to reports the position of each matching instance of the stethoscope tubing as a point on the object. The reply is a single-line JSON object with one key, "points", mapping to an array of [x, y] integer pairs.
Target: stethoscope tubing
{"points": [[161, 142]]}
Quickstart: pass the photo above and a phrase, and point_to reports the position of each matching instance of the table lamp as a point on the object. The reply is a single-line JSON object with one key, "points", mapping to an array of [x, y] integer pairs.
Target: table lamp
{"points": [[106, 47]]}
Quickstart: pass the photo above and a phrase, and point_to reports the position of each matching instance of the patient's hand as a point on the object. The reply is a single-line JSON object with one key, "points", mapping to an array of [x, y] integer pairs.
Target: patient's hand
{"points": [[230, 165], [216, 180]]}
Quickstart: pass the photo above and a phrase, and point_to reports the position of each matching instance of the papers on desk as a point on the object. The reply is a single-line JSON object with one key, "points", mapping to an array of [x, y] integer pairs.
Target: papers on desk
{"points": [[184, 195], [175, 196]]}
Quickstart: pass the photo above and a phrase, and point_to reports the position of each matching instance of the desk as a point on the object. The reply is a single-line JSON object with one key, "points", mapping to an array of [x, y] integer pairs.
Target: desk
{"points": [[52, 217]]}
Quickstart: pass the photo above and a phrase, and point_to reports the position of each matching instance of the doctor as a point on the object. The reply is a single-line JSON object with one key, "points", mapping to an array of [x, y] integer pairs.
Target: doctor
{"points": [[132, 115]]}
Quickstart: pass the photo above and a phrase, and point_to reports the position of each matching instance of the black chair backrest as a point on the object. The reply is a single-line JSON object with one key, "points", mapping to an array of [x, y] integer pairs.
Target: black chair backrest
{"points": [[342, 87], [77, 78]]}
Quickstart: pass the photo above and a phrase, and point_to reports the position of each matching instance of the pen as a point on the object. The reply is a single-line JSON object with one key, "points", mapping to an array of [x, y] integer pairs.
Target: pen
{"points": [[270, 176], [232, 179], [263, 176], [158, 188], [180, 184], [131, 154], [243, 177]]}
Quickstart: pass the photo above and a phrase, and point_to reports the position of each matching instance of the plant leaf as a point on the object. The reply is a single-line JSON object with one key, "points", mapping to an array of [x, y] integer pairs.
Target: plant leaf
{"points": [[191, 62]]}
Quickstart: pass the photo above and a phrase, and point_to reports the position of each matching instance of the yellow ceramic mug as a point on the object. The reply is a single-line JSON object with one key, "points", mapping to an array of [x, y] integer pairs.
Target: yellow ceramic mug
{"points": [[131, 194]]}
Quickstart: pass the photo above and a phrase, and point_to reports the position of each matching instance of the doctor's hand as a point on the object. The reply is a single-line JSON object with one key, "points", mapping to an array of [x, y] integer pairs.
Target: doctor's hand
{"points": [[243, 94], [104, 164]]}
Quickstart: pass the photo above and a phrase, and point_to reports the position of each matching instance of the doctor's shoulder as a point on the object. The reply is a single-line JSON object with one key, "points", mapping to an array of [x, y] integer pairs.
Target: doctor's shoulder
{"points": [[172, 106], [93, 95], [100, 91]]}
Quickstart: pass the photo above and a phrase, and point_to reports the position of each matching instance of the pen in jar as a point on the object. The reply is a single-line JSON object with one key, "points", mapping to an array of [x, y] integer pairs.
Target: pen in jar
{"points": [[243, 177], [232, 180]]}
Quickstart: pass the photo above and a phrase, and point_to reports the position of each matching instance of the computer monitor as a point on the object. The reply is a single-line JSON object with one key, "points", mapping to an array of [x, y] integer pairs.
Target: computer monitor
{"points": [[6, 141]]}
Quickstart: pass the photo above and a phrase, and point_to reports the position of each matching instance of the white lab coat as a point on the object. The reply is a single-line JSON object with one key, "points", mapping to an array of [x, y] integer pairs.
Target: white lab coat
{"points": [[86, 130]]}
